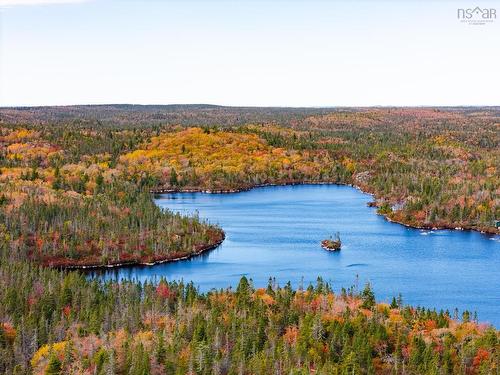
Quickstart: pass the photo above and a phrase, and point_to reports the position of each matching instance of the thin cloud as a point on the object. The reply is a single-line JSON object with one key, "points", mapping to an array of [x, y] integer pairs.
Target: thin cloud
{"points": [[12, 3]]}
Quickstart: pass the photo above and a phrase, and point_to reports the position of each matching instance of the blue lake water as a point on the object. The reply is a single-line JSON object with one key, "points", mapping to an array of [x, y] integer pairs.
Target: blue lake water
{"points": [[276, 231]]}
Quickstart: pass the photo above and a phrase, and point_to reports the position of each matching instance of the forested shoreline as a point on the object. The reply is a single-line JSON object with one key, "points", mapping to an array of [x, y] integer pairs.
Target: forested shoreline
{"points": [[426, 167], [75, 190], [62, 323]]}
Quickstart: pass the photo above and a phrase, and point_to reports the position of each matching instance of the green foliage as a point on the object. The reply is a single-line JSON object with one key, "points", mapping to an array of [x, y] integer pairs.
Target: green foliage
{"points": [[368, 297], [54, 366], [131, 328], [173, 178], [76, 192]]}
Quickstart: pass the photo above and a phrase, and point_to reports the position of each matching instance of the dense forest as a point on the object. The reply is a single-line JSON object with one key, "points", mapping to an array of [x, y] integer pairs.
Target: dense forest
{"points": [[64, 204], [61, 323], [75, 190]]}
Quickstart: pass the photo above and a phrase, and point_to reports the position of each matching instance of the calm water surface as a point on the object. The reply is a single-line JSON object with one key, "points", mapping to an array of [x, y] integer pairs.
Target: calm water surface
{"points": [[276, 231]]}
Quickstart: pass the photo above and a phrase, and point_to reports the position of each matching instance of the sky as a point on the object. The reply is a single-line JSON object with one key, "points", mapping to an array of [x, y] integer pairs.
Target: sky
{"points": [[247, 53]]}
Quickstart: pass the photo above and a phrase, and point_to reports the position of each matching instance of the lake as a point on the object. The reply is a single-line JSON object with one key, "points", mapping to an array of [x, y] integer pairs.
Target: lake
{"points": [[276, 231]]}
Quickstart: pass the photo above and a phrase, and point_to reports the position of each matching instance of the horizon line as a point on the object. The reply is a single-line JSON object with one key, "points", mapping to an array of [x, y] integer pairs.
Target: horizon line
{"points": [[252, 106]]}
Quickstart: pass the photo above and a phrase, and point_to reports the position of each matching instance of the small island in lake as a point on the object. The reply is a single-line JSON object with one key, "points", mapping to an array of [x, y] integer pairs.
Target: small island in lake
{"points": [[332, 244]]}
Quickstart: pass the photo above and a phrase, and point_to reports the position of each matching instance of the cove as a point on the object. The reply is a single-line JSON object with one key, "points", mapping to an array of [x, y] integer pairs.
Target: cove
{"points": [[276, 232]]}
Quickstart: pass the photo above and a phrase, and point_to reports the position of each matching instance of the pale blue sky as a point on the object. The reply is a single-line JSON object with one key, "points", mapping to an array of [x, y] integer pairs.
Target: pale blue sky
{"points": [[262, 53]]}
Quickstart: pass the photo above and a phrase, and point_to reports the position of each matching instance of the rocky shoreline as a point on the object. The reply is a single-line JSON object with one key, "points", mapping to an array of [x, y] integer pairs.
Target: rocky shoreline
{"points": [[141, 262], [482, 230], [441, 226], [150, 261], [170, 190]]}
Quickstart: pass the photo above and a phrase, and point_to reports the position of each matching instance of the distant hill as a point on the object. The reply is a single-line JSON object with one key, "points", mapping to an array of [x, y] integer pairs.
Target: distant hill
{"points": [[205, 114]]}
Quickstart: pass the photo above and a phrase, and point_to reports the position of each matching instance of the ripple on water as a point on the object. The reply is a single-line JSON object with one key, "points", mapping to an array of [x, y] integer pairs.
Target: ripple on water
{"points": [[275, 231], [357, 265]]}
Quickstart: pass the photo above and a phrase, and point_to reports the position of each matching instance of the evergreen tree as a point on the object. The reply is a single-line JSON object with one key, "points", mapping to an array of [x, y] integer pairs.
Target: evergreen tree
{"points": [[368, 297], [54, 366], [173, 177]]}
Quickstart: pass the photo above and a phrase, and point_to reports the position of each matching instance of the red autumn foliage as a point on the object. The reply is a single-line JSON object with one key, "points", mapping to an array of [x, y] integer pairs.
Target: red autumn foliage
{"points": [[9, 331], [163, 291], [430, 324], [482, 355], [66, 310]]}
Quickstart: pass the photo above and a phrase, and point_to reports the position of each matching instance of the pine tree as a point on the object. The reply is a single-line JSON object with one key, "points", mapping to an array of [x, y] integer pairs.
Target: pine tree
{"points": [[161, 351], [368, 297], [394, 303], [173, 177]]}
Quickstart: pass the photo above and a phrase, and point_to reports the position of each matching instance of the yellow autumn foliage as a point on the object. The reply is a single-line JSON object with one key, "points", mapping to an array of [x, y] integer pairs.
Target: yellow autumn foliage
{"points": [[215, 156], [43, 352]]}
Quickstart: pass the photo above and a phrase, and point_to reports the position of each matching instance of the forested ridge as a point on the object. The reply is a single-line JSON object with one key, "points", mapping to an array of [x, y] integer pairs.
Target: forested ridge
{"points": [[65, 203], [75, 187], [426, 168]]}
